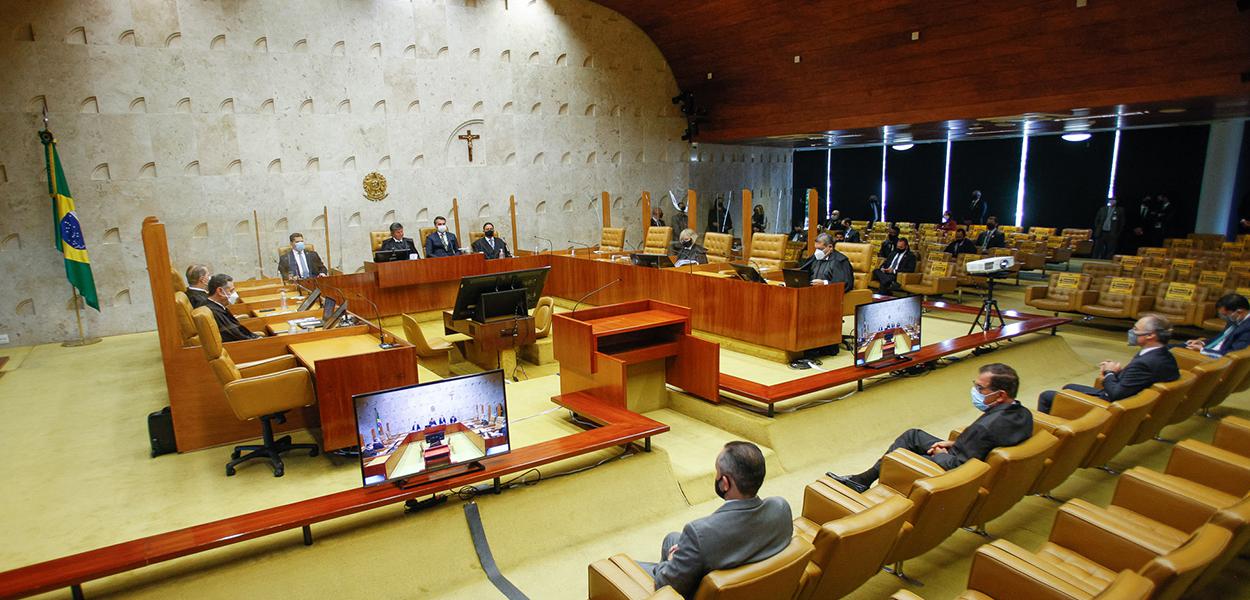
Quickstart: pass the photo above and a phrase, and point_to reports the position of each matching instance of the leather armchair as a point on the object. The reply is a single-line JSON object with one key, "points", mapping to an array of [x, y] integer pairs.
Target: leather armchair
{"points": [[612, 239], [475, 236], [1182, 312], [542, 316], [928, 283], [850, 540], [657, 240], [1098, 271], [719, 246], [1082, 240], [422, 234], [263, 390], [998, 573], [1126, 417], [1053, 298], [433, 353], [180, 284], [1012, 473], [377, 237], [1046, 231], [186, 326], [1076, 438], [1118, 306], [1208, 376], [1233, 434], [768, 250], [860, 256], [780, 576], [1171, 395], [1236, 377]]}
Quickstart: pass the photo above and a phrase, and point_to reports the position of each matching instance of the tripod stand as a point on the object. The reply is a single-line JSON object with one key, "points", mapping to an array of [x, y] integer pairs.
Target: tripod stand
{"points": [[989, 309]]}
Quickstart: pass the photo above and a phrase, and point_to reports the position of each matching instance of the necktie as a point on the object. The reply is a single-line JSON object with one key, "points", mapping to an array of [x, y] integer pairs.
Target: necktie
{"points": [[898, 256], [443, 237], [491, 241], [302, 266]]}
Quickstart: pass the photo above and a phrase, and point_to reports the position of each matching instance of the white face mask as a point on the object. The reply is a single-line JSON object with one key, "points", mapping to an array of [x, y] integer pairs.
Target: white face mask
{"points": [[233, 298], [442, 229], [819, 254]]}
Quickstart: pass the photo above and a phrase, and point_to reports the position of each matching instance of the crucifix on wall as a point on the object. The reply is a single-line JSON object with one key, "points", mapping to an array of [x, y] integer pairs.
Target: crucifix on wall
{"points": [[469, 137]]}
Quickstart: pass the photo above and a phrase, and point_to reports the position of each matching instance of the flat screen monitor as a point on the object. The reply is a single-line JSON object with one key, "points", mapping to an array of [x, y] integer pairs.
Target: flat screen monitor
{"points": [[502, 304], [797, 278], [410, 431], [748, 273], [327, 309], [390, 255], [310, 299], [659, 261], [887, 331], [473, 286]]}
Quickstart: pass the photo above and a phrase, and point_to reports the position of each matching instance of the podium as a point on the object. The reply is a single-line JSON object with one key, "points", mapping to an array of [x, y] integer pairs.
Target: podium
{"points": [[623, 354], [495, 342]]}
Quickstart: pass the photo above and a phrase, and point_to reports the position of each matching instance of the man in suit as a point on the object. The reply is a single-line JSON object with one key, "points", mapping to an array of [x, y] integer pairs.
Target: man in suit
{"points": [[493, 247], [397, 241], [221, 294], [828, 266], [1139, 220], [197, 285], [902, 261], [1003, 422], [299, 262], [850, 234], [874, 210], [978, 208], [1164, 219], [745, 529], [687, 250], [1108, 224], [991, 237], [1233, 308], [1151, 365], [718, 219], [441, 242], [889, 244], [680, 220], [961, 245], [657, 216]]}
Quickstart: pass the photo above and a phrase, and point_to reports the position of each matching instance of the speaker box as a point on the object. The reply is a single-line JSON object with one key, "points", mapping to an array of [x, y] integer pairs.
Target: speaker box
{"points": [[161, 432]]}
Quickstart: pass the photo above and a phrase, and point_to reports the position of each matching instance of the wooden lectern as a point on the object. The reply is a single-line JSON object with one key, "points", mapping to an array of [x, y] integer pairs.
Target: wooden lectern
{"points": [[623, 354]]}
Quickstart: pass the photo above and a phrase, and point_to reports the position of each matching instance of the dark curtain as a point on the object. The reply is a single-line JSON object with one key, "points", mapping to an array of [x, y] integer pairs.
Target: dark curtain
{"points": [[810, 171], [914, 183], [1066, 182], [1165, 160], [855, 175], [992, 166]]}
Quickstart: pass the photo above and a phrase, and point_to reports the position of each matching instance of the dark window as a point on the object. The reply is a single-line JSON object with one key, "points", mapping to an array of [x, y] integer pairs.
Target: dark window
{"points": [[992, 166], [914, 183]]}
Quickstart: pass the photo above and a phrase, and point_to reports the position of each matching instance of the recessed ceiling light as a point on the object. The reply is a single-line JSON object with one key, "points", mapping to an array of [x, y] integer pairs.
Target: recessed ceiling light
{"points": [[903, 147], [1076, 137]]}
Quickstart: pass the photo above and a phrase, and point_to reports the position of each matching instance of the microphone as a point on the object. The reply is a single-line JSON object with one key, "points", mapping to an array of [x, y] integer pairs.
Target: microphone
{"points": [[549, 244], [593, 292], [588, 246], [377, 315]]}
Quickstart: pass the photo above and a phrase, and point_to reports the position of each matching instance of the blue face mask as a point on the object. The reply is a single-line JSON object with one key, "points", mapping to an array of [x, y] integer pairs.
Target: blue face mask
{"points": [[1132, 337], [978, 400], [299, 246]]}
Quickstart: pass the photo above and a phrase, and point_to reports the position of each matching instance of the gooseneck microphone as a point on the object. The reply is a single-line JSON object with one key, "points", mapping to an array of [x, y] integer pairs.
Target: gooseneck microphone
{"points": [[377, 315], [587, 246], [549, 244], [593, 292]]}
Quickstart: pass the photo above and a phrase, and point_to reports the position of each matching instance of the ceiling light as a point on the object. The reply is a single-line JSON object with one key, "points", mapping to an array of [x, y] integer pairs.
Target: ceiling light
{"points": [[903, 147], [1171, 111], [1076, 137]]}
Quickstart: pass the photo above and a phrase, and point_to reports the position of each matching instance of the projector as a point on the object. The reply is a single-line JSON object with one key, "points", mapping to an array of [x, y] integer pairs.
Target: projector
{"points": [[990, 266]]}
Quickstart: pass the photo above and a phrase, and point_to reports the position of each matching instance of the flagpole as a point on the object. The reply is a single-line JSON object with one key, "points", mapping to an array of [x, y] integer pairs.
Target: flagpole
{"points": [[82, 340]]}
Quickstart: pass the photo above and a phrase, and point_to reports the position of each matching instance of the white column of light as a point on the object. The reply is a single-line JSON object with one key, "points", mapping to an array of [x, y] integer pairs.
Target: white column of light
{"points": [[828, 181], [1115, 159], [884, 148], [946, 177], [1024, 159]]}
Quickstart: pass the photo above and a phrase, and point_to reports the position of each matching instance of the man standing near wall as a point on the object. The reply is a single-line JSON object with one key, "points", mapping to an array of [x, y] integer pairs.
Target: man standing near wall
{"points": [[1108, 224]]}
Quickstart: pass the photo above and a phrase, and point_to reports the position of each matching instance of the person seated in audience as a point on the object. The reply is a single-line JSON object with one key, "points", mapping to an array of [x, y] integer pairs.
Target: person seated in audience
{"points": [[745, 529], [197, 285], [441, 242], [300, 263], [493, 247], [799, 234], [221, 294], [991, 237], [398, 243], [1233, 308], [901, 261], [961, 245], [890, 243], [948, 222], [850, 234], [687, 250], [657, 216], [1152, 364], [828, 266], [1003, 422], [835, 221], [758, 222]]}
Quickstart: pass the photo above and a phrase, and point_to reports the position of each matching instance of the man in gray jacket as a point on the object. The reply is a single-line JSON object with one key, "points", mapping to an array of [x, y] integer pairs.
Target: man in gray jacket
{"points": [[745, 529]]}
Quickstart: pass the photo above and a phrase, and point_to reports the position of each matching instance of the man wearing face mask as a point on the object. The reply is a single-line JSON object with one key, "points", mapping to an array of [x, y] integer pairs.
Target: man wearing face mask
{"points": [[490, 245], [1108, 224], [889, 244], [991, 237], [221, 294], [1151, 365], [828, 266], [745, 529], [197, 285], [300, 262], [1003, 422], [902, 261], [687, 251], [1233, 308], [441, 242], [961, 244]]}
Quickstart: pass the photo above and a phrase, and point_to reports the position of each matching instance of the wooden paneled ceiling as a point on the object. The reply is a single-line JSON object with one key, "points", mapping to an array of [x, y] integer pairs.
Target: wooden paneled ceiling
{"points": [[860, 69]]}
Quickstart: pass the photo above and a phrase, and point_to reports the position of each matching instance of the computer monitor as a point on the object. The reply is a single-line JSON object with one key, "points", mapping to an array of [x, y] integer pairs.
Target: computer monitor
{"points": [[474, 286], [659, 261], [797, 278], [895, 324], [335, 317], [327, 309], [390, 255], [410, 431], [309, 299], [748, 273]]}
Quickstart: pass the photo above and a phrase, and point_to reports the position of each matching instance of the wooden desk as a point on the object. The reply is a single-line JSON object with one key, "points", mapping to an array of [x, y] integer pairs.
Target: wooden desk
{"points": [[345, 366], [493, 344], [428, 270]]}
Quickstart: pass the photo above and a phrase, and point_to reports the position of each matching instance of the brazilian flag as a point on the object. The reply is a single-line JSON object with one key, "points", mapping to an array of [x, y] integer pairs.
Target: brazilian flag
{"points": [[67, 230]]}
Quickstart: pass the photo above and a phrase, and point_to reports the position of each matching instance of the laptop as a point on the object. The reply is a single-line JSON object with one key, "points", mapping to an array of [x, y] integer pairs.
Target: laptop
{"points": [[748, 273], [659, 261], [797, 278], [390, 255]]}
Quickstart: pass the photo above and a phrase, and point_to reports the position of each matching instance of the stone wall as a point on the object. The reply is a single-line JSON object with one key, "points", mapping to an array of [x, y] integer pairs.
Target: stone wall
{"points": [[200, 113]]}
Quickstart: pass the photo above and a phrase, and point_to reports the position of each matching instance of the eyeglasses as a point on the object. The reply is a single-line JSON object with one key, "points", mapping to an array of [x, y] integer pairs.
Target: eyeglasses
{"points": [[980, 387]]}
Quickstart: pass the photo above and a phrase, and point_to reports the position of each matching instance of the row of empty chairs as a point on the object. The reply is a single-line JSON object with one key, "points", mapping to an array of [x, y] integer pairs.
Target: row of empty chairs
{"points": [[1184, 302]]}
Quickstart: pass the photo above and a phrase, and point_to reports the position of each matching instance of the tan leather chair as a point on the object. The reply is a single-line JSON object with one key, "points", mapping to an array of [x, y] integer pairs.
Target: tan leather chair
{"points": [[475, 236], [930, 283], [941, 500], [422, 233], [1171, 395], [1182, 312], [612, 239], [780, 576], [998, 574], [1077, 438], [658, 240], [1012, 473], [264, 389], [434, 353], [1051, 297], [1115, 305], [542, 316], [1236, 377], [768, 250], [377, 237], [719, 246], [850, 541], [1233, 434], [1098, 271], [1209, 376], [186, 325], [1082, 240], [860, 256], [1126, 417], [1046, 231], [178, 279]]}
